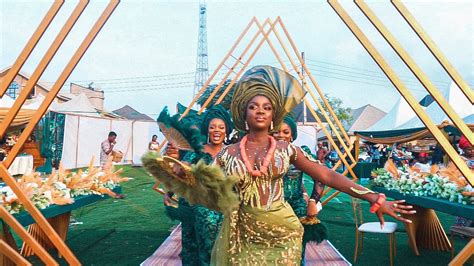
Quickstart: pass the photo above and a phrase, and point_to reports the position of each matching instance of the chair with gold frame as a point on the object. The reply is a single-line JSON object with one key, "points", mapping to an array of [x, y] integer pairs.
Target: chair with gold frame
{"points": [[371, 227]]}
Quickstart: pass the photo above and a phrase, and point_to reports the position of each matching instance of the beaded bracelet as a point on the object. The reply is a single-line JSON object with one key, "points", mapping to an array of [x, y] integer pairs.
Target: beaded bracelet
{"points": [[378, 203]]}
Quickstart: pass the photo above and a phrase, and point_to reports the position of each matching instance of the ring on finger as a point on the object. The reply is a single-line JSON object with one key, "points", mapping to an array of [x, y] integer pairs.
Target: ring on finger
{"points": [[398, 214], [395, 205]]}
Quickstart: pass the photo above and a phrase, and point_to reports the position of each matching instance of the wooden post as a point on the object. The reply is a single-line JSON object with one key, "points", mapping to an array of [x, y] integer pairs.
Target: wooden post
{"points": [[416, 70], [434, 50], [12, 254], [216, 89], [323, 112], [218, 67], [305, 101], [30, 45], [18, 228], [461, 165], [241, 71], [9, 180], [30, 84]]}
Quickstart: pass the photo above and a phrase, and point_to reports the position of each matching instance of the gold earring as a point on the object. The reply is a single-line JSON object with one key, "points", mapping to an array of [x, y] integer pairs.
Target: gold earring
{"points": [[271, 125]]}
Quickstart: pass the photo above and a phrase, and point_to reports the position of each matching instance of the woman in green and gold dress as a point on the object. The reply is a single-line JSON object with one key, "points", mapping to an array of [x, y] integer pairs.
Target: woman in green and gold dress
{"points": [[201, 227], [295, 191], [262, 229]]}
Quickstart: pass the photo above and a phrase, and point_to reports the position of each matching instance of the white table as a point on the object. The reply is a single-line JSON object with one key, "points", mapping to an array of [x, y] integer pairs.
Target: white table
{"points": [[22, 165]]}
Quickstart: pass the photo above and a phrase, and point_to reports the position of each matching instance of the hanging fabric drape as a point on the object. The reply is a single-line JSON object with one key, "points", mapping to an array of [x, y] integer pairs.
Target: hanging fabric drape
{"points": [[51, 136]]}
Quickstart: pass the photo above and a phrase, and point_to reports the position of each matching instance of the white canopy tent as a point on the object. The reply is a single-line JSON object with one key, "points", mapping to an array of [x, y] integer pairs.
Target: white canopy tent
{"points": [[456, 99], [400, 113], [6, 101], [79, 105]]}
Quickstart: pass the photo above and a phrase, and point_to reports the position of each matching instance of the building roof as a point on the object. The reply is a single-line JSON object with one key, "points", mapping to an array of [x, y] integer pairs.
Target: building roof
{"points": [[364, 117], [298, 113], [40, 83], [132, 114]]}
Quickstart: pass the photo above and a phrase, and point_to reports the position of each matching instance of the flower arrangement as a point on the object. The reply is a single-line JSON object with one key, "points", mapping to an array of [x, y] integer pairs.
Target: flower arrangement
{"points": [[61, 186], [445, 183]]}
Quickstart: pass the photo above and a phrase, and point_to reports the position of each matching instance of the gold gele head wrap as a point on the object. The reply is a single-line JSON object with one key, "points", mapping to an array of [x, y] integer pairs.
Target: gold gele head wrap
{"points": [[282, 89]]}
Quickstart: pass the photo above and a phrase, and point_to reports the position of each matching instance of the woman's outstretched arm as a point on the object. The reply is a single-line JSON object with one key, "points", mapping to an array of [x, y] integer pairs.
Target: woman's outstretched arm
{"points": [[342, 183]]}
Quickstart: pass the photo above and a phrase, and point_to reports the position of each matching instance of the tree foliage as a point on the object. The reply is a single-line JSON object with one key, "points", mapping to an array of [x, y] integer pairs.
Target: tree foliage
{"points": [[227, 98], [344, 114]]}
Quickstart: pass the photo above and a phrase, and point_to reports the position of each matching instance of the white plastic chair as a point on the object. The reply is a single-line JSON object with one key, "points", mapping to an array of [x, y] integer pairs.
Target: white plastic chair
{"points": [[371, 227]]}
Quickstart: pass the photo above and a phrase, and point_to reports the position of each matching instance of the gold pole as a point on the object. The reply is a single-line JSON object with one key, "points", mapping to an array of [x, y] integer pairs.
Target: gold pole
{"points": [[12, 254], [333, 195], [30, 84], [331, 140], [463, 255], [30, 45], [216, 89], [201, 91], [416, 70], [214, 92], [434, 50], [9, 180], [357, 147], [305, 84], [306, 102], [60, 82], [18, 228], [313, 80], [403, 91], [331, 111], [272, 26]]}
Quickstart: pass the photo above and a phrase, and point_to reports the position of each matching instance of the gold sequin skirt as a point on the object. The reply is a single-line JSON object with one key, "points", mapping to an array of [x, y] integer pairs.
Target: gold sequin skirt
{"points": [[254, 236]]}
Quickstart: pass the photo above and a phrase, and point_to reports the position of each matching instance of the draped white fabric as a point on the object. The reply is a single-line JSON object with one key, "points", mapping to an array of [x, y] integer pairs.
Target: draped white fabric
{"points": [[83, 136]]}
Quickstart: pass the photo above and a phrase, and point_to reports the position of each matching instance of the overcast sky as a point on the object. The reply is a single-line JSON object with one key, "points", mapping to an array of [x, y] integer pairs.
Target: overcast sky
{"points": [[145, 56]]}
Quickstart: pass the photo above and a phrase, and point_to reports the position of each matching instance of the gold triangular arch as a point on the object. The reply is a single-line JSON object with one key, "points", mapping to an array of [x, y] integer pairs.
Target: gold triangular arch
{"points": [[336, 126], [6, 249]]}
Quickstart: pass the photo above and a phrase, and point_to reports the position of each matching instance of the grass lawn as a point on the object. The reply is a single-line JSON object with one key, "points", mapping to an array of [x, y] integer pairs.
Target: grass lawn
{"points": [[127, 231]]}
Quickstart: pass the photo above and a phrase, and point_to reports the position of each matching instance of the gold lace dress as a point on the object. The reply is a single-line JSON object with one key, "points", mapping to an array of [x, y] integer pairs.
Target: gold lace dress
{"points": [[264, 230]]}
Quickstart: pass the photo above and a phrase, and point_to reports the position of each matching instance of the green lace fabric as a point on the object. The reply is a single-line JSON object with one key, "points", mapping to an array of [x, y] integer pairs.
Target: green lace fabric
{"points": [[293, 189], [201, 229]]}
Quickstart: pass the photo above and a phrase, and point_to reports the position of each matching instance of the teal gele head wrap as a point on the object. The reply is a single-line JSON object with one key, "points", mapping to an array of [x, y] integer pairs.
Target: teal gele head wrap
{"points": [[216, 111], [282, 89], [290, 121]]}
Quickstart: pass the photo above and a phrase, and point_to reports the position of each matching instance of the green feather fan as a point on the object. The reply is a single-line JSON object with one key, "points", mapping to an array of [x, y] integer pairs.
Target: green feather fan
{"points": [[210, 187], [314, 233], [184, 134]]}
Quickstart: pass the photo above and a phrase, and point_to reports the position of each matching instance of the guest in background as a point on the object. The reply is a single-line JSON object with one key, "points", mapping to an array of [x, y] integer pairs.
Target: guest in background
{"points": [[154, 145], [321, 153], [422, 163], [468, 157], [106, 148]]}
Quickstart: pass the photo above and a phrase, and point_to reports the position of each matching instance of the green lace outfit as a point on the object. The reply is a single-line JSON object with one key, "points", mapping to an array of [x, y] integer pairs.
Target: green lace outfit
{"points": [[293, 188], [200, 226]]}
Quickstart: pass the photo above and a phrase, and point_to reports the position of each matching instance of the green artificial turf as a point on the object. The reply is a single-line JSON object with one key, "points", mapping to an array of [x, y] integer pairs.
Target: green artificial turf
{"points": [[127, 231]]}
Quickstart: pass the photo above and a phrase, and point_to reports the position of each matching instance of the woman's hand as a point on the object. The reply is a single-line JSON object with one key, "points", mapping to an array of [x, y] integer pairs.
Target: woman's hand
{"points": [[394, 209], [168, 199], [306, 198], [172, 151], [178, 169], [312, 210]]}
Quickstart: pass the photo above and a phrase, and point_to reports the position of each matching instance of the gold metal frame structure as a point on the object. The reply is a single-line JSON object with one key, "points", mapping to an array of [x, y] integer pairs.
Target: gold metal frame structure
{"points": [[400, 86], [41, 221], [240, 64]]}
